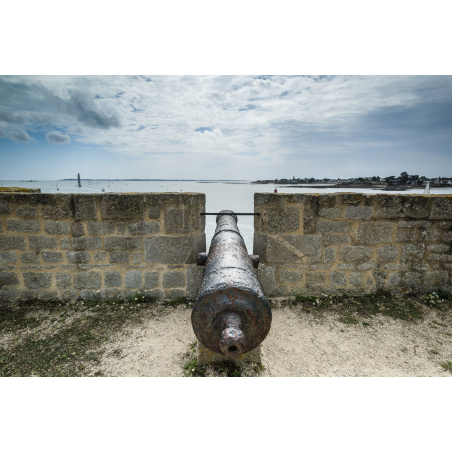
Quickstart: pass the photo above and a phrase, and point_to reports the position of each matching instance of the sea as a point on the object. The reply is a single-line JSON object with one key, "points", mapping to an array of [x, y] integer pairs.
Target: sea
{"points": [[220, 195]]}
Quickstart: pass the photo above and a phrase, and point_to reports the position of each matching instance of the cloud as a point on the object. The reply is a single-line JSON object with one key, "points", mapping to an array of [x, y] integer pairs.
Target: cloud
{"points": [[293, 123], [58, 138], [19, 135]]}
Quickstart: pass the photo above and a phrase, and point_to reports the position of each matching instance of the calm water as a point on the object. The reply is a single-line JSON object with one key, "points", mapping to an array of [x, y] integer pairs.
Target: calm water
{"points": [[238, 197]]}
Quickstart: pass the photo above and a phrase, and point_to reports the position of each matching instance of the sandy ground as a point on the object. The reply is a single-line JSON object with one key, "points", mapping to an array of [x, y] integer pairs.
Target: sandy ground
{"points": [[298, 345]]}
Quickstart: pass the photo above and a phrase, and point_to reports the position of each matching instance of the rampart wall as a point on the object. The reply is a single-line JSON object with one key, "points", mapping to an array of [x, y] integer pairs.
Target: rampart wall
{"points": [[354, 243], [108, 245]]}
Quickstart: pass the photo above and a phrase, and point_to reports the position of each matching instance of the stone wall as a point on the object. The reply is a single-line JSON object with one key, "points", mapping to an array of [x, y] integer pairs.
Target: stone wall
{"points": [[355, 243], [70, 246]]}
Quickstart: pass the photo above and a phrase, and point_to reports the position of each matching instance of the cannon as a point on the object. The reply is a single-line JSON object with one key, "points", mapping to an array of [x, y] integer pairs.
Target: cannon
{"points": [[231, 315]]}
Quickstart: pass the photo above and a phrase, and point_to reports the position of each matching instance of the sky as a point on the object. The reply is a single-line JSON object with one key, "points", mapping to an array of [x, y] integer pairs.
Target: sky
{"points": [[224, 127]]}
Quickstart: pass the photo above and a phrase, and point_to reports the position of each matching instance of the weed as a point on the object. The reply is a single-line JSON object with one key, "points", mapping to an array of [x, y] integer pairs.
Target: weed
{"points": [[447, 366], [348, 319], [366, 323], [434, 352], [177, 301]]}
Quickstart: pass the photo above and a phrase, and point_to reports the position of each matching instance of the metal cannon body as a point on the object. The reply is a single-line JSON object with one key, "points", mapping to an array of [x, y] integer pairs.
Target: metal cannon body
{"points": [[231, 315]]}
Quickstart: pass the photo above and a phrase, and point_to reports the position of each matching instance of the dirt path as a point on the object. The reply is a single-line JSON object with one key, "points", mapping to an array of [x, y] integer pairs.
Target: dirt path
{"points": [[298, 345]]}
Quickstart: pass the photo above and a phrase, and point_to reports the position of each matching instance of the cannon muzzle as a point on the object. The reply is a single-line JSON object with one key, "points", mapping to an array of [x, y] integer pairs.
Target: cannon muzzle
{"points": [[231, 315]]}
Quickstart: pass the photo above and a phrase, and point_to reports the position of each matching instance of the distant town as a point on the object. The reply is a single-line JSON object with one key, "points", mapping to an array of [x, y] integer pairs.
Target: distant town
{"points": [[404, 180]]}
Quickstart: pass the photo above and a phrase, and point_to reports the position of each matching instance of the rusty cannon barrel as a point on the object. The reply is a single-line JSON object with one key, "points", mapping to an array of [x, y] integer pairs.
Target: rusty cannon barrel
{"points": [[231, 315]]}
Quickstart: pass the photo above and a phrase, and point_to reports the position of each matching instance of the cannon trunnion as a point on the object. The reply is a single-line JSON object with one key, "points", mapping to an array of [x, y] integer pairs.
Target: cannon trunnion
{"points": [[231, 315]]}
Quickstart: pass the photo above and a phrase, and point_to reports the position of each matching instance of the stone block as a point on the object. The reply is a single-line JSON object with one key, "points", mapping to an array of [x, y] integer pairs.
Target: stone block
{"points": [[329, 255], [133, 279], [441, 208], [288, 248], [37, 280], [375, 233], [151, 280], [416, 206], [315, 280], [429, 236], [174, 250], [309, 222], [65, 243], [69, 295], [63, 211], [447, 236], [330, 212], [396, 267], [174, 293], [53, 227], [52, 256], [5, 208], [137, 257], [440, 257], [394, 279], [29, 257], [42, 242], [154, 213], [267, 277], [121, 227], [181, 221], [289, 276], [119, 256], [436, 279], [412, 251], [100, 256], [77, 257], [8, 294], [8, 279], [194, 277], [122, 206], [411, 279], [333, 226], [124, 243], [357, 254], [335, 239], [85, 207], [206, 356], [366, 266], [8, 257], [173, 279], [143, 227], [439, 248], [388, 253], [389, 206], [113, 279], [380, 279], [87, 280], [359, 212], [280, 219], [23, 225], [414, 224], [405, 236], [86, 243], [338, 278], [63, 280], [26, 211], [345, 267], [97, 228], [356, 279], [78, 229]]}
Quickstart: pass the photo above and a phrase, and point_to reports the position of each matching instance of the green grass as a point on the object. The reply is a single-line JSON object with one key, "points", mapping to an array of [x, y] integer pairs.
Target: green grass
{"points": [[447, 366], [365, 305], [66, 340], [229, 368]]}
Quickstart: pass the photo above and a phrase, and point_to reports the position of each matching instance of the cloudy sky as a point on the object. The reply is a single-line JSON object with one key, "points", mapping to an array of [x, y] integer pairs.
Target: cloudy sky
{"points": [[224, 127]]}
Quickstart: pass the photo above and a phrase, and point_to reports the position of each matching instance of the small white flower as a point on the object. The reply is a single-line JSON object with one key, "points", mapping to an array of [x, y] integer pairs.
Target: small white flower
{"points": [[135, 299]]}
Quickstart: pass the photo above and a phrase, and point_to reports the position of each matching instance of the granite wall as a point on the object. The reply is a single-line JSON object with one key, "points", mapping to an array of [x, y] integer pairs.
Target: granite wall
{"points": [[355, 243], [72, 246]]}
